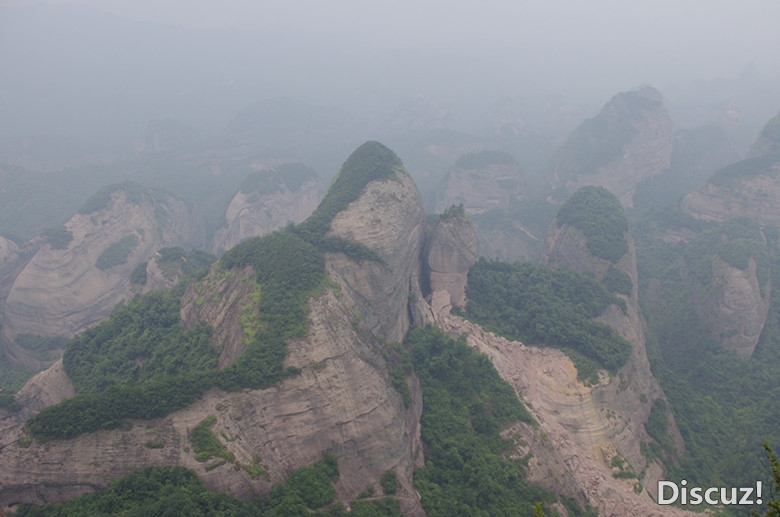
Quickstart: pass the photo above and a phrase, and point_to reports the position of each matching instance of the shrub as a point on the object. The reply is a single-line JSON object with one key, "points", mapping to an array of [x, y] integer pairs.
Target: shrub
{"points": [[118, 253], [389, 482], [59, 237], [599, 215]]}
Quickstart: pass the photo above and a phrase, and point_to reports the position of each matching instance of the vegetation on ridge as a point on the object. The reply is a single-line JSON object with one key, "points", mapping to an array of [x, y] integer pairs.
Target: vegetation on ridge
{"points": [[599, 214], [466, 404], [140, 363], [540, 305], [371, 161], [724, 406]]}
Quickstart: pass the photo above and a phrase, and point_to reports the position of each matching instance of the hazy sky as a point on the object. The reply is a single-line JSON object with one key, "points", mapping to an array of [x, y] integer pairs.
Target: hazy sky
{"points": [[443, 50], [679, 39], [702, 34]]}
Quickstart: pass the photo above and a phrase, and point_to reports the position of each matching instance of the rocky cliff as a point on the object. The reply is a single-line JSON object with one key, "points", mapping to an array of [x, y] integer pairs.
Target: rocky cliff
{"points": [[8, 250], [83, 271], [735, 305], [388, 218], [620, 405], [343, 401], [267, 201], [451, 250], [481, 182], [629, 141], [580, 428]]}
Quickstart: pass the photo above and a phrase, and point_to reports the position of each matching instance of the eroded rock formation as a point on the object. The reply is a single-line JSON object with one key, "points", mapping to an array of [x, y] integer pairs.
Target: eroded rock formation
{"points": [[69, 286], [389, 219], [612, 415], [481, 182], [750, 187], [451, 250], [267, 205], [735, 305], [629, 141]]}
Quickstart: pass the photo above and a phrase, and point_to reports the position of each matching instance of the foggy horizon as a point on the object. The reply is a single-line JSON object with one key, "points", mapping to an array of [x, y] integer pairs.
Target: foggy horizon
{"points": [[92, 69]]}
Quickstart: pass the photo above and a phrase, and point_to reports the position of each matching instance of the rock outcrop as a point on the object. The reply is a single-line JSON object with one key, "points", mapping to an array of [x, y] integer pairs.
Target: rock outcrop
{"points": [[735, 305], [580, 428], [450, 251], [629, 141], [626, 398], [750, 187], [75, 281], [481, 182], [267, 201], [343, 401], [389, 219]]}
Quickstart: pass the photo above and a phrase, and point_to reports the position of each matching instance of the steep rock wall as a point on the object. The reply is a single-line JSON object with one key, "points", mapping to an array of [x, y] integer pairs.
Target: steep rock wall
{"points": [[389, 219], [735, 305], [756, 195], [254, 214], [581, 427], [480, 188], [62, 291], [451, 250], [343, 402], [627, 397], [629, 141]]}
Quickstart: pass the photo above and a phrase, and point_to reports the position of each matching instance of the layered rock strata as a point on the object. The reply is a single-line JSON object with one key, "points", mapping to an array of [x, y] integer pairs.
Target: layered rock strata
{"points": [[67, 288]]}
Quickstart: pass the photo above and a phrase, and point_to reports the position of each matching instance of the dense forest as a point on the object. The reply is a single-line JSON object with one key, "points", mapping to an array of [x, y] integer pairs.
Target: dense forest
{"points": [[724, 405], [549, 307]]}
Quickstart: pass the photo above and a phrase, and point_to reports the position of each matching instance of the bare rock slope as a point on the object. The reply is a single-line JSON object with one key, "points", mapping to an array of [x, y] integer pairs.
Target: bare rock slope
{"points": [[343, 401], [481, 182], [750, 187], [620, 404], [451, 250], [268, 200], [73, 282], [629, 141]]}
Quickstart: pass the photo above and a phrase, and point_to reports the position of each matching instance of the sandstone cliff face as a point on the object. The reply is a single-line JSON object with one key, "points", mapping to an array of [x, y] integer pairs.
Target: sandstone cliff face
{"points": [[62, 291], [581, 428], [389, 219], [749, 188], [629, 141], [608, 418], [220, 300], [343, 402], [565, 245], [735, 305], [257, 212], [451, 251], [482, 182]]}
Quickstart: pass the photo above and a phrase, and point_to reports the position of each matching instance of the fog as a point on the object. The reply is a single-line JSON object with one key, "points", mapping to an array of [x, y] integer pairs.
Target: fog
{"points": [[310, 81], [103, 68]]}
